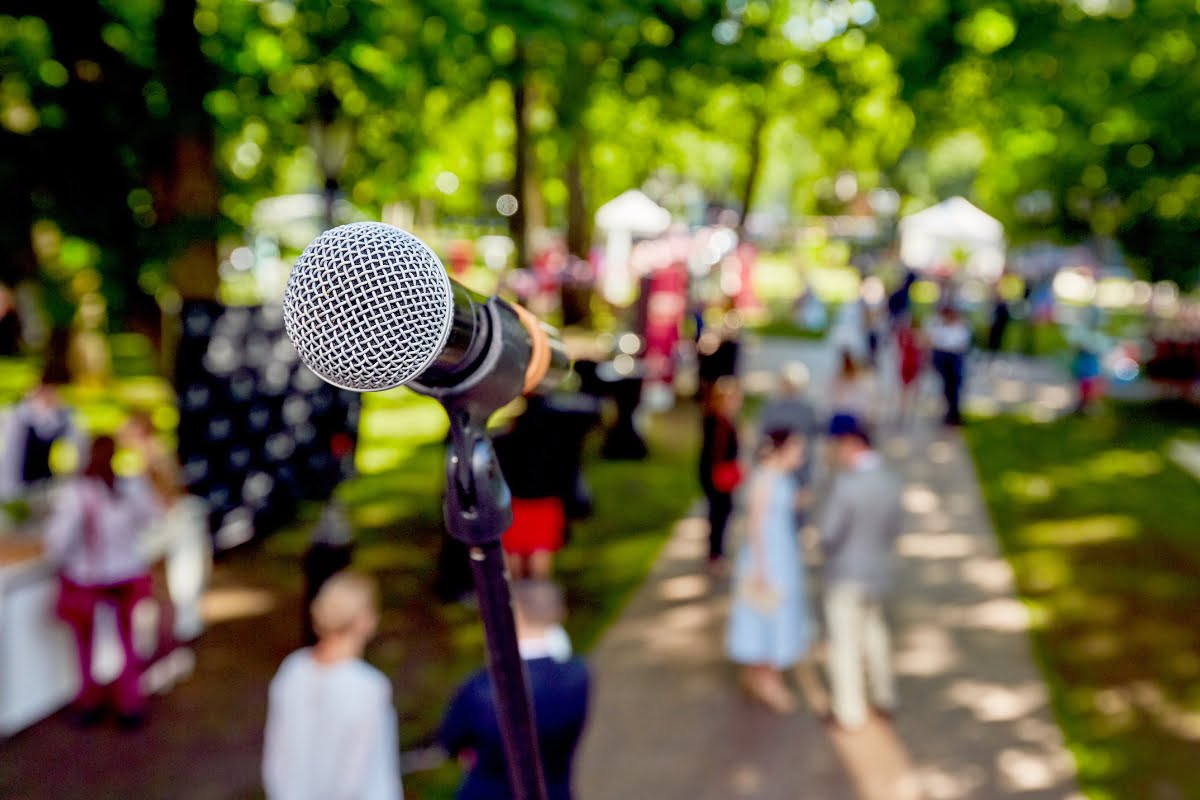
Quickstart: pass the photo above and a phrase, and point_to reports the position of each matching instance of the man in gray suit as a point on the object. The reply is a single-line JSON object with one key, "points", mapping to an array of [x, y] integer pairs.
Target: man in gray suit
{"points": [[862, 519]]}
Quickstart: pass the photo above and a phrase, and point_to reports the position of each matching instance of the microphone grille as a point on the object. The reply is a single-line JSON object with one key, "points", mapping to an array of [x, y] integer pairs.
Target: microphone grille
{"points": [[368, 306]]}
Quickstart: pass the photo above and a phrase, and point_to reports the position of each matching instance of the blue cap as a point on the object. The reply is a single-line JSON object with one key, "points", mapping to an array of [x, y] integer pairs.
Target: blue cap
{"points": [[848, 425]]}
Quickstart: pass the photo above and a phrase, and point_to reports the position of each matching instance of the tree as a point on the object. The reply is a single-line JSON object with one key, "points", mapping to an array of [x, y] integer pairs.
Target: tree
{"points": [[1072, 116]]}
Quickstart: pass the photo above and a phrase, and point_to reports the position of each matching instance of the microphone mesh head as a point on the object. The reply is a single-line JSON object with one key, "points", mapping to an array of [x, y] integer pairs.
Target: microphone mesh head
{"points": [[368, 306]]}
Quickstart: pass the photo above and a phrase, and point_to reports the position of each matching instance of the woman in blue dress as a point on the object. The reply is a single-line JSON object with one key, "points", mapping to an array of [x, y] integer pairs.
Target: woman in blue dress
{"points": [[769, 628]]}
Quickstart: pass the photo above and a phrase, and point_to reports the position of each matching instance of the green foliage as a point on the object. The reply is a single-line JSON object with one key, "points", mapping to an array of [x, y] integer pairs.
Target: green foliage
{"points": [[1066, 120], [1078, 118]]}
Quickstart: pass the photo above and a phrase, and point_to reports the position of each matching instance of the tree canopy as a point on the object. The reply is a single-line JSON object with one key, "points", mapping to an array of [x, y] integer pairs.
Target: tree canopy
{"points": [[134, 129]]}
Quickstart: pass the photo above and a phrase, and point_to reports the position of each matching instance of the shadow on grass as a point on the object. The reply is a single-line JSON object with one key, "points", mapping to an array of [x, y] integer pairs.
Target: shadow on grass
{"points": [[1101, 529]]}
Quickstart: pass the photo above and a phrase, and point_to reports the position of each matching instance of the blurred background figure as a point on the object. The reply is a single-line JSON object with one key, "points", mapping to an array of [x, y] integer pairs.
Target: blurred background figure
{"points": [[950, 340], [329, 552], [540, 457], [30, 432], [910, 358], [1001, 317], [861, 522], [718, 352], [180, 534], [559, 686], [852, 389], [331, 726], [10, 323], [876, 316], [160, 466], [720, 472], [769, 629], [1088, 373], [899, 302], [849, 331], [791, 410], [95, 536]]}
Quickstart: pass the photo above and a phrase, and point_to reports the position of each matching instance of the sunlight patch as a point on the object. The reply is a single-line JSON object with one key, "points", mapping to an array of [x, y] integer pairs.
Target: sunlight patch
{"points": [[1028, 487], [1080, 530], [223, 605]]}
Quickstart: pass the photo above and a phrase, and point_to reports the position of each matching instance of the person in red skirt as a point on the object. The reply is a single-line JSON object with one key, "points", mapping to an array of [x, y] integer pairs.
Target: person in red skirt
{"points": [[535, 536], [910, 354], [530, 461], [94, 536]]}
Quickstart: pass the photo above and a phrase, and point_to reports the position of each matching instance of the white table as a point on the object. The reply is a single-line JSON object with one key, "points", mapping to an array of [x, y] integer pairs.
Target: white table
{"points": [[38, 669]]}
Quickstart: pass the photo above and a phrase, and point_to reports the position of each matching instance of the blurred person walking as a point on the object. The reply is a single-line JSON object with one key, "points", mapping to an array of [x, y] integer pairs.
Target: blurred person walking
{"points": [[852, 389], [95, 535], [910, 355], [1001, 317], [900, 301], [768, 624], [331, 727], [950, 340], [540, 458], [10, 323], [792, 411], [858, 531], [1088, 372], [720, 471], [559, 688]]}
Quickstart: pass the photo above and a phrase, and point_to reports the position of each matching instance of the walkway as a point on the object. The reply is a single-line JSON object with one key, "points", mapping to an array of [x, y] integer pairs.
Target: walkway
{"points": [[974, 723]]}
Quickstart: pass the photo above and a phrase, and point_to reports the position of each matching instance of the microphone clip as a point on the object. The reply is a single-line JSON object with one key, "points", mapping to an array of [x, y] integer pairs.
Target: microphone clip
{"points": [[478, 505]]}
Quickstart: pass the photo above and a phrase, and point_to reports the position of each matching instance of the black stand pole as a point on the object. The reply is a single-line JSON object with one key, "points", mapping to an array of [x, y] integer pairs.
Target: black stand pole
{"points": [[478, 510]]}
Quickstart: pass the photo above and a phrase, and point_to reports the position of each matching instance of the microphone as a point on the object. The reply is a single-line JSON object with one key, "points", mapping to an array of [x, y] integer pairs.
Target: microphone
{"points": [[370, 307]]}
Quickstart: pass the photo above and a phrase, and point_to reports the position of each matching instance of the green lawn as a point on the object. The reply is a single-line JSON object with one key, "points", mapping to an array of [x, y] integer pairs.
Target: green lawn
{"points": [[1103, 532]]}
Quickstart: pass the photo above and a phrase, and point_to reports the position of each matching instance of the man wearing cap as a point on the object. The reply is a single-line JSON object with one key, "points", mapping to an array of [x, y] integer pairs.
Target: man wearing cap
{"points": [[862, 519]]}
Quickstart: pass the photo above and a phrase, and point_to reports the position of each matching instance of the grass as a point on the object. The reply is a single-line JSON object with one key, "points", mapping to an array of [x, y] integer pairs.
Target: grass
{"points": [[1103, 532]]}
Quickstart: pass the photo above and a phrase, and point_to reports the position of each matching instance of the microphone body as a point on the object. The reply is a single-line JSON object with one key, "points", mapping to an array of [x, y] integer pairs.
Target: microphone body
{"points": [[370, 307]]}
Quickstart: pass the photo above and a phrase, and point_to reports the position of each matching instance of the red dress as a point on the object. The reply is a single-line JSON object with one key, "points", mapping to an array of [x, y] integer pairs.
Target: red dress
{"points": [[910, 355], [537, 526]]}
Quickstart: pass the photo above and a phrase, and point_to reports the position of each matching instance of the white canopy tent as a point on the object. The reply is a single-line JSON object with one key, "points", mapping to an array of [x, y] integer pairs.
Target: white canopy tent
{"points": [[628, 215], [953, 233]]}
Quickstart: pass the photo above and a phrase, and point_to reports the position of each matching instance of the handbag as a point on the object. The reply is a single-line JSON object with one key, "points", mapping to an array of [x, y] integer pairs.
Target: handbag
{"points": [[726, 475], [759, 595]]}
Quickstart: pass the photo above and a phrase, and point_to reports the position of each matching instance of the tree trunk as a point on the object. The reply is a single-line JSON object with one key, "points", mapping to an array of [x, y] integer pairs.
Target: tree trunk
{"points": [[755, 168], [576, 292], [578, 229], [185, 179], [518, 223]]}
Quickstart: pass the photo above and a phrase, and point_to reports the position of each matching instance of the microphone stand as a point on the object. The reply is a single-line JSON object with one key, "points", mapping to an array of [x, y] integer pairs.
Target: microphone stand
{"points": [[478, 510]]}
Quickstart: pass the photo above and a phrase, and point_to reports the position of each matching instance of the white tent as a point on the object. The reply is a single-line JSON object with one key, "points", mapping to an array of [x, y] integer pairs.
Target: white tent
{"points": [[953, 233], [625, 216]]}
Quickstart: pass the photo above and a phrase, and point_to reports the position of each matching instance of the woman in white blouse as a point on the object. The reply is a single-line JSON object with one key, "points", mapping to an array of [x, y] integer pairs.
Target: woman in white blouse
{"points": [[95, 537], [852, 390]]}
